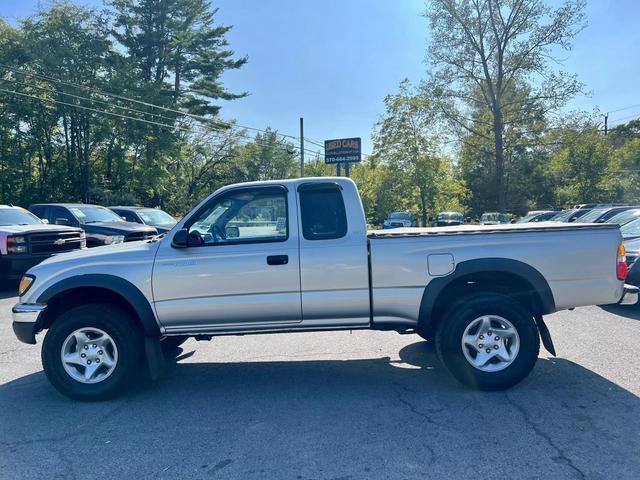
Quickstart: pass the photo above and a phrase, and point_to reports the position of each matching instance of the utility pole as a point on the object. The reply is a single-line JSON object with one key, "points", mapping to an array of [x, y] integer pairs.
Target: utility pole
{"points": [[301, 147], [606, 121]]}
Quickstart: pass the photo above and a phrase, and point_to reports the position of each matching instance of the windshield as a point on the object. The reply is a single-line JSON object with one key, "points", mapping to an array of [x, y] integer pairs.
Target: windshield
{"points": [[450, 216], [562, 216], [527, 218], [94, 214], [400, 216], [592, 216], [156, 217], [625, 217], [631, 229], [17, 216]]}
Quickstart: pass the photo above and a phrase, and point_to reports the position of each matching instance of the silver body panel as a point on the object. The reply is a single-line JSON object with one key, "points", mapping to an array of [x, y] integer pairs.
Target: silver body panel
{"points": [[325, 285]]}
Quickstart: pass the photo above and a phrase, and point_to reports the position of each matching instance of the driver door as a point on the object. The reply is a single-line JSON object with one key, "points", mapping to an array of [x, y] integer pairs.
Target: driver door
{"points": [[240, 268]]}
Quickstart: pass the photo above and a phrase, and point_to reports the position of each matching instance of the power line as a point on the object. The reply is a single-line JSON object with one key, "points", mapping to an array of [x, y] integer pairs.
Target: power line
{"points": [[102, 102], [635, 115], [172, 127], [624, 108], [51, 100], [201, 118]]}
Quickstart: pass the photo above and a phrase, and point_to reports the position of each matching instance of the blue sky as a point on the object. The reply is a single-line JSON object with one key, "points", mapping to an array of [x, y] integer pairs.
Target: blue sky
{"points": [[333, 61]]}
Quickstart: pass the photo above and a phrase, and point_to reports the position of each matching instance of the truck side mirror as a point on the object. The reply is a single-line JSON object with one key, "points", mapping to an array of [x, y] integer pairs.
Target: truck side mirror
{"points": [[232, 232], [180, 239], [63, 221]]}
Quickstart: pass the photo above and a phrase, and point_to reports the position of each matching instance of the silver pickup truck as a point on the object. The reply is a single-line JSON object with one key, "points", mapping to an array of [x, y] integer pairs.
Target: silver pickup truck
{"points": [[295, 255]]}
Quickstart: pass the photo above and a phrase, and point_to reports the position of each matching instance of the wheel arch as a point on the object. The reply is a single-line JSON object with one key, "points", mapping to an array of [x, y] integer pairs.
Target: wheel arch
{"points": [[501, 275], [82, 289]]}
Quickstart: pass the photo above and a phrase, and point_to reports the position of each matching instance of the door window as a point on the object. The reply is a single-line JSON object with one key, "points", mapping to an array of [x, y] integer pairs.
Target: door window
{"points": [[247, 215], [58, 212], [129, 217]]}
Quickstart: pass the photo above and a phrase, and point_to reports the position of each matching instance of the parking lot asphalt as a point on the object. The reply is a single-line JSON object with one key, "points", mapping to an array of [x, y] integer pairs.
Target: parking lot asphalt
{"points": [[335, 405]]}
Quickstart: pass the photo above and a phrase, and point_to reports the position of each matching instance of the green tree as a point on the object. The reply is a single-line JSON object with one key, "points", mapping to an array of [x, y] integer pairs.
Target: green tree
{"points": [[582, 167], [482, 48], [404, 140], [177, 48], [526, 159], [268, 157], [62, 138]]}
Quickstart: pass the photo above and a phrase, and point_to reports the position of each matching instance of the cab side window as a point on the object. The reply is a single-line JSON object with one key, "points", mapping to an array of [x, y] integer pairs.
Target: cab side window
{"points": [[129, 217], [56, 213], [247, 215], [323, 212]]}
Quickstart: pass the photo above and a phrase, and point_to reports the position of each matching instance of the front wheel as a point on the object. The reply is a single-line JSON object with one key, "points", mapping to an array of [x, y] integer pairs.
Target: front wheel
{"points": [[92, 352], [488, 341]]}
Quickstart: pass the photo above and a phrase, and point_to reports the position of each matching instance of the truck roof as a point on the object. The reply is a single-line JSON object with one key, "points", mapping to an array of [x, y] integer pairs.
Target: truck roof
{"points": [[292, 183]]}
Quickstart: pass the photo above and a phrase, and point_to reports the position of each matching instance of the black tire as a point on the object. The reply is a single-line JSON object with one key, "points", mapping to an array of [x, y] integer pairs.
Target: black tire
{"points": [[123, 330], [457, 318], [428, 336], [170, 344]]}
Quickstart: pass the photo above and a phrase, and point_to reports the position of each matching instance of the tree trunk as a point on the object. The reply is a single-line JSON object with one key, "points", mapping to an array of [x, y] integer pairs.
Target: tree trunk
{"points": [[498, 128]]}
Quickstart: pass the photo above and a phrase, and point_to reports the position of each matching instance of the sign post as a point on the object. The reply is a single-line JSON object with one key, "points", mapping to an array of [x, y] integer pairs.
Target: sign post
{"points": [[343, 150]]}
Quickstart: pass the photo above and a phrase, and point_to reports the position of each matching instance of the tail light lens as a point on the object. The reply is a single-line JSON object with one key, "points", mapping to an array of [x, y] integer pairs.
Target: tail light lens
{"points": [[622, 270]]}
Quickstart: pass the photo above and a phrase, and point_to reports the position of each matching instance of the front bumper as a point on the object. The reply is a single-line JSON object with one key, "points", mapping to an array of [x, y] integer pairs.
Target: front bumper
{"points": [[630, 295], [26, 321]]}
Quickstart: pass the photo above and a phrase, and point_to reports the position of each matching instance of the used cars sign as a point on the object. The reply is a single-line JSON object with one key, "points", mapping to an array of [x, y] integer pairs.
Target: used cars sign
{"points": [[343, 150]]}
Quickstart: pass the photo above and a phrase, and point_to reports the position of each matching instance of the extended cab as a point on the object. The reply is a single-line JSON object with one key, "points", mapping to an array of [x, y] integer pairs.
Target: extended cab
{"points": [[25, 241], [295, 255]]}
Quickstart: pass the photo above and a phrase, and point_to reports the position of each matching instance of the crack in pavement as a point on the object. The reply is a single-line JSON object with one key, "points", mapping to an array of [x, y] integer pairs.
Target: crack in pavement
{"points": [[425, 417], [561, 455]]}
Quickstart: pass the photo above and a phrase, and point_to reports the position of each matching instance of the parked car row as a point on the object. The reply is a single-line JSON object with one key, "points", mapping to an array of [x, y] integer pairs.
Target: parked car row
{"points": [[584, 213], [29, 236], [443, 219]]}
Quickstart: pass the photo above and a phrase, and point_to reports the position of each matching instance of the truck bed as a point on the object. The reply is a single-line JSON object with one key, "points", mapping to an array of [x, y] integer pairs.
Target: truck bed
{"points": [[577, 260]]}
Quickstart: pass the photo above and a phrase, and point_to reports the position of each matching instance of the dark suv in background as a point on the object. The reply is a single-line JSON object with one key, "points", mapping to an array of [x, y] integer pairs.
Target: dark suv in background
{"points": [[154, 217], [101, 225]]}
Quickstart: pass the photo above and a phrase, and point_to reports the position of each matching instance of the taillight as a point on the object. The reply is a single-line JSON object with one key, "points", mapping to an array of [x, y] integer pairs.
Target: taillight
{"points": [[622, 270]]}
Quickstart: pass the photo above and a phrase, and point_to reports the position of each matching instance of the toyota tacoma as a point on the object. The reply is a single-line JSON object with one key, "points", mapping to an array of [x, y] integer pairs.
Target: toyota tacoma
{"points": [[295, 255]]}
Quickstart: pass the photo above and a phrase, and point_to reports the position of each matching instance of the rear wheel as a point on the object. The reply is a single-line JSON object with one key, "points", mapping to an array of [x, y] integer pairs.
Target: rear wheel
{"points": [[93, 352], [488, 341]]}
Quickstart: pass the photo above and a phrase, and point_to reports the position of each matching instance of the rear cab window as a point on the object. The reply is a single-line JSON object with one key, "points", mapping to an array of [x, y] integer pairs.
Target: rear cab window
{"points": [[322, 211]]}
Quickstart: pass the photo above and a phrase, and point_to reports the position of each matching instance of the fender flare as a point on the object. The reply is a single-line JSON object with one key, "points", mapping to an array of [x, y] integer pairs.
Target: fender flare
{"points": [[483, 265], [117, 285]]}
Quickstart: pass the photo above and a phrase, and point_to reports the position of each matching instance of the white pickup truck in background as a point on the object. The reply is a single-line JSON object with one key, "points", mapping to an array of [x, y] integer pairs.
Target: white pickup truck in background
{"points": [[295, 255]]}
